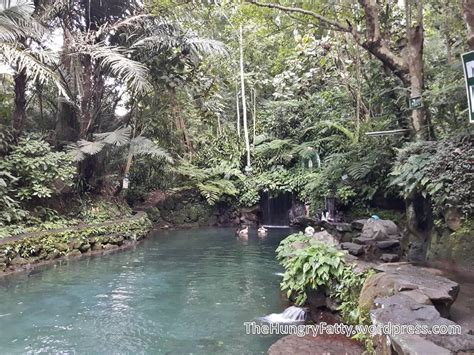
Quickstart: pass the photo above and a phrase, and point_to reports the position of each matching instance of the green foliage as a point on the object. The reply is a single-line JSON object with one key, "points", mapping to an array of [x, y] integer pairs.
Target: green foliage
{"points": [[36, 167], [31, 170], [348, 291], [309, 264], [101, 210], [213, 183], [441, 170], [54, 244]]}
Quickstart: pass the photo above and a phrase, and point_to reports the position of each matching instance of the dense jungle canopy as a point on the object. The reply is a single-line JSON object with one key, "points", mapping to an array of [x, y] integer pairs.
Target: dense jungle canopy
{"points": [[233, 99]]}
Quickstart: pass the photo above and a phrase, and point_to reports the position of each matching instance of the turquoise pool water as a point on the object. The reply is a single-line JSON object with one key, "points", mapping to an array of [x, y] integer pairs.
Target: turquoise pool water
{"points": [[179, 292]]}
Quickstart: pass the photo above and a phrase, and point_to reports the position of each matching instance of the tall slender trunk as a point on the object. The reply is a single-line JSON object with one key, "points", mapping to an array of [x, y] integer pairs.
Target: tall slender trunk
{"points": [[237, 106], [418, 208], [67, 123], [86, 103], [19, 114], [244, 105], [254, 115]]}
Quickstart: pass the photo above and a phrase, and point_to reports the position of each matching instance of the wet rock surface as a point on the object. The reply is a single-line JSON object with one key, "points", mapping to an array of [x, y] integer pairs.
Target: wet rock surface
{"points": [[403, 294], [353, 248], [399, 277], [401, 309], [317, 345]]}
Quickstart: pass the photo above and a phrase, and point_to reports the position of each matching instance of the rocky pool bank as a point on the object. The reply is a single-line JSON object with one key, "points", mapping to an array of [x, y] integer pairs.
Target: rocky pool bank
{"points": [[25, 251], [395, 293]]}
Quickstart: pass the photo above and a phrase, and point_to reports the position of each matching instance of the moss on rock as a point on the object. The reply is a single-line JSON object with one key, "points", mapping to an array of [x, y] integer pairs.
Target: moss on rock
{"points": [[457, 246], [36, 247]]}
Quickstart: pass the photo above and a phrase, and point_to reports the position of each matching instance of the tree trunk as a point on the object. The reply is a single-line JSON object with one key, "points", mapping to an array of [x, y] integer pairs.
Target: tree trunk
{"points": [[19, 115], [179, 122], [67, 124], [244, 105], [254, 115], [468, 7], [419, 117], [85, 119], [237, 106]]}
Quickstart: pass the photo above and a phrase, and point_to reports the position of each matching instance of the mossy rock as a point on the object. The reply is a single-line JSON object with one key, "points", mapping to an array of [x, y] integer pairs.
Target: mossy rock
{"points": [[96, 246], [53, 255], [19, 261], [74, 244], [110, 246], [457, 246], [74, 253], [85, 247], [154, 214], [62, 247], [117, 239]]}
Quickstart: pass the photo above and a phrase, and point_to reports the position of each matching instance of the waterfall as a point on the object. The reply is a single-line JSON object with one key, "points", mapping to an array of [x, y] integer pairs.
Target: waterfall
{"points": [[291, 315], [275, 209]]}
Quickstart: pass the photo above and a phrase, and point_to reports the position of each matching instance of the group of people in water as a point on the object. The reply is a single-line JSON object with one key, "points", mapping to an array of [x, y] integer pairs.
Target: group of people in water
{"points": [[243, 232]]}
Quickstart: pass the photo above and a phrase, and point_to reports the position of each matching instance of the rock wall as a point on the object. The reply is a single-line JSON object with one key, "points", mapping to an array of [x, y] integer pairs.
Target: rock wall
{"points": [[453, 245], [23, 251], [188, 209]]}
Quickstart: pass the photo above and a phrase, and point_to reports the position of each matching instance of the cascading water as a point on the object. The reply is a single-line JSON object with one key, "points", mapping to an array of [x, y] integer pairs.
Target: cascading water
{"points": [[275, 210], [291, 315]]}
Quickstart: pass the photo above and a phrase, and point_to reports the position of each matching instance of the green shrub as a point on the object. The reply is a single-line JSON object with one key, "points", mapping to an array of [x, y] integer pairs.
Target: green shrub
{"points": [[36, 168], [441, 170], [309, 264]]}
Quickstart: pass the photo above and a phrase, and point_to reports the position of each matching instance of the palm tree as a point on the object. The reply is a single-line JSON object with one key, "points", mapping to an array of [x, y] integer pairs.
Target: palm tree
{"points": [[17, 29]]}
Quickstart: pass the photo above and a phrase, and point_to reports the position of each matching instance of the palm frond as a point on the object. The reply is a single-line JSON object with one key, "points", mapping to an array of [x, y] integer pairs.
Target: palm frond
{"points": [[80, 149], [115, 60], [142, 145], [118, 137], [16, 21], [274, 146], [40, 66], [205, 46], [324, 125]]}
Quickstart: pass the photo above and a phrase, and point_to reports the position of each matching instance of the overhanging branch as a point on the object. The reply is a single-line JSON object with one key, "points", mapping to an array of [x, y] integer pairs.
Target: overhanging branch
{"points": [[334, 24]]}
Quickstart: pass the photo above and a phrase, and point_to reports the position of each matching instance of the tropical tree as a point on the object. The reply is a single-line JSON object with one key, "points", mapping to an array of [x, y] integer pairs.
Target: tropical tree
{"points": [[20, 35]]}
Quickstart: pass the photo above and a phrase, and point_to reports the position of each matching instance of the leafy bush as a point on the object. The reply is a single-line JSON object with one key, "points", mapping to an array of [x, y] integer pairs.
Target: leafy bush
{"points": [[36, 168], [30, 170], [441, 170], [347, 291], [214, 184], [309, 264]]}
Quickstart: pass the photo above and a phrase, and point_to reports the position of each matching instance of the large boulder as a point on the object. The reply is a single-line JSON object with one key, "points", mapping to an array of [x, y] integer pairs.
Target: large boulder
{"points": [[402, 310], [380, 230], [325, 238], [399, 277], [353, 248]]}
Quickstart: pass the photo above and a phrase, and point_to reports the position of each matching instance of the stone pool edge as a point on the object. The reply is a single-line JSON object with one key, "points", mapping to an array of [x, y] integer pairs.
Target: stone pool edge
{"points": [[31, 251]]}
